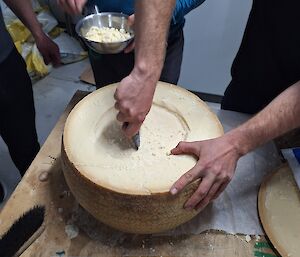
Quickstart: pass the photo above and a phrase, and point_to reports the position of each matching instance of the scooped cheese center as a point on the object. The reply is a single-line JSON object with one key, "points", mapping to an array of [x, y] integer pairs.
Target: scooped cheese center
{"points": [[97, 147]]}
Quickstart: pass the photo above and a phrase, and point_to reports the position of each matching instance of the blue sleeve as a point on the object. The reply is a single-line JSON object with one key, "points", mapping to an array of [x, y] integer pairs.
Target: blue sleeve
{"points": [[123, 6], [183, 7]]}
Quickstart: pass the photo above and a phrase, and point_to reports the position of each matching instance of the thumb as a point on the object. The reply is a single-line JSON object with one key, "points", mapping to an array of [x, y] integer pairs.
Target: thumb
{"points": [[79, 6], [131, 20], [186, 148], [46, 58], [55, 56], [129, 48], [131, 129]]}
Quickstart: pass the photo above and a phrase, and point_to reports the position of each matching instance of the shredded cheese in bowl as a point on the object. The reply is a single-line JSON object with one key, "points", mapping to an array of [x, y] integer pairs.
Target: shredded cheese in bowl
{"points": [[107, 35]]}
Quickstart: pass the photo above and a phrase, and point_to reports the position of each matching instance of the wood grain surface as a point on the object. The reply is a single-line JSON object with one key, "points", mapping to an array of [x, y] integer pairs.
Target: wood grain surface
{"points": [[44, 184]]}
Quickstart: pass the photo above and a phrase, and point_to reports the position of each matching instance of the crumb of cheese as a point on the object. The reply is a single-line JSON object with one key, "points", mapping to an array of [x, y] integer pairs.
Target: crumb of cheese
{"points": [[248, 238]]}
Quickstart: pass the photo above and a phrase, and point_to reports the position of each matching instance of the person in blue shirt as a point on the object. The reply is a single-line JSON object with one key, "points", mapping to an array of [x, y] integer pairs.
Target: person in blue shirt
{"points": [[112, 68], [138, 73]]}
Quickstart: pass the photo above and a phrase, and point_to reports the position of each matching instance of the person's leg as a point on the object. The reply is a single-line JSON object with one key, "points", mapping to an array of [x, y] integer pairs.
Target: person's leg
{"points": [[240, 98], [268, 59], [251, 81], [17, 113], [2, 195], [172, 65], [110, 68]]}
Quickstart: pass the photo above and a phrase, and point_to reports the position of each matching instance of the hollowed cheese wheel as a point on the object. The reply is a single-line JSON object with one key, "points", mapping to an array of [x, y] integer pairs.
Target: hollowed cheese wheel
{"points": [[125, 188]]}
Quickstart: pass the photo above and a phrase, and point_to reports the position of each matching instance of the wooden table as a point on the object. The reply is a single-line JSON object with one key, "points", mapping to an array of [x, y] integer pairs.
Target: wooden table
{"points": [[100, 240]]}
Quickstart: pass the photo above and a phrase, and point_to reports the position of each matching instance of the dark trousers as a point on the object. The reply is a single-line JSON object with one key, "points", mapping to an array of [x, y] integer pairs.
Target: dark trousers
{"points": [[17, 113], [268, 60], [112, 68]]}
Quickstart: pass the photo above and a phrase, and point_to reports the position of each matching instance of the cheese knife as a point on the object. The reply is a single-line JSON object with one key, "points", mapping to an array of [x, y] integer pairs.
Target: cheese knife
{"points": [[135, 139]]}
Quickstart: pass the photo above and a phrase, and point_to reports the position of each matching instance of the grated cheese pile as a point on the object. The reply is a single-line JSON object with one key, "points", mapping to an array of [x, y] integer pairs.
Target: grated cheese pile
{"points": [[107, 35]]}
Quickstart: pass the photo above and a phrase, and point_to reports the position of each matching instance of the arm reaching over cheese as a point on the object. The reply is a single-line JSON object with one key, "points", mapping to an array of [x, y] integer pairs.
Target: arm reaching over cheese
{"points": [[135, 93], [217, 158], [72, 7], [46, 46]]}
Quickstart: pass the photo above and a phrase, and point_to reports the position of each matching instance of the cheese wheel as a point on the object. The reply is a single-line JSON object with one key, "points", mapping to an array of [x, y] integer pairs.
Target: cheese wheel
{"points": [[96, 152], [279, 211]]}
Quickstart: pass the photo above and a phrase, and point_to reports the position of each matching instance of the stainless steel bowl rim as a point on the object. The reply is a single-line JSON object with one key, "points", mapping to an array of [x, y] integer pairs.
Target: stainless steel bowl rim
{"points": [[79, 23]]}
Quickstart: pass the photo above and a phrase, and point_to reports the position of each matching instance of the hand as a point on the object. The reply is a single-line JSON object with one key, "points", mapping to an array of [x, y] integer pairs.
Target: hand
{"points": [[72, 7], [133, 100], [48, 49], [217, 159], [131, 46]]}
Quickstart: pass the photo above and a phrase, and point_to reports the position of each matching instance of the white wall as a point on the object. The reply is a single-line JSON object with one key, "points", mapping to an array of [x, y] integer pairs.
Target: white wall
{"points": [[213, 33]]}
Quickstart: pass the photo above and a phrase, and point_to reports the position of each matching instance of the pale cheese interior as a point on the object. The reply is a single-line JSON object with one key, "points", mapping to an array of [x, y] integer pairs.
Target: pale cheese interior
{"points": [[97, 147], [283, 212]]}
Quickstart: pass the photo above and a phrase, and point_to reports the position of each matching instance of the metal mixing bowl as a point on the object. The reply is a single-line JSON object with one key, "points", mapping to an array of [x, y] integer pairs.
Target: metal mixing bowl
{"points": [[105, 19]]}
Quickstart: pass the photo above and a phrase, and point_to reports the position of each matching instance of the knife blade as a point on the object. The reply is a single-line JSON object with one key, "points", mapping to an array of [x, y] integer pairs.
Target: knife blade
{"points": [[23, 232], [135, 139]]}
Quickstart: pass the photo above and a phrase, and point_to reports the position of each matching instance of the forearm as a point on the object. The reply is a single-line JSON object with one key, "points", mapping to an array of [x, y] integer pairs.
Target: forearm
{"points": [[24, 11], [280, 116], [152, 20]]}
